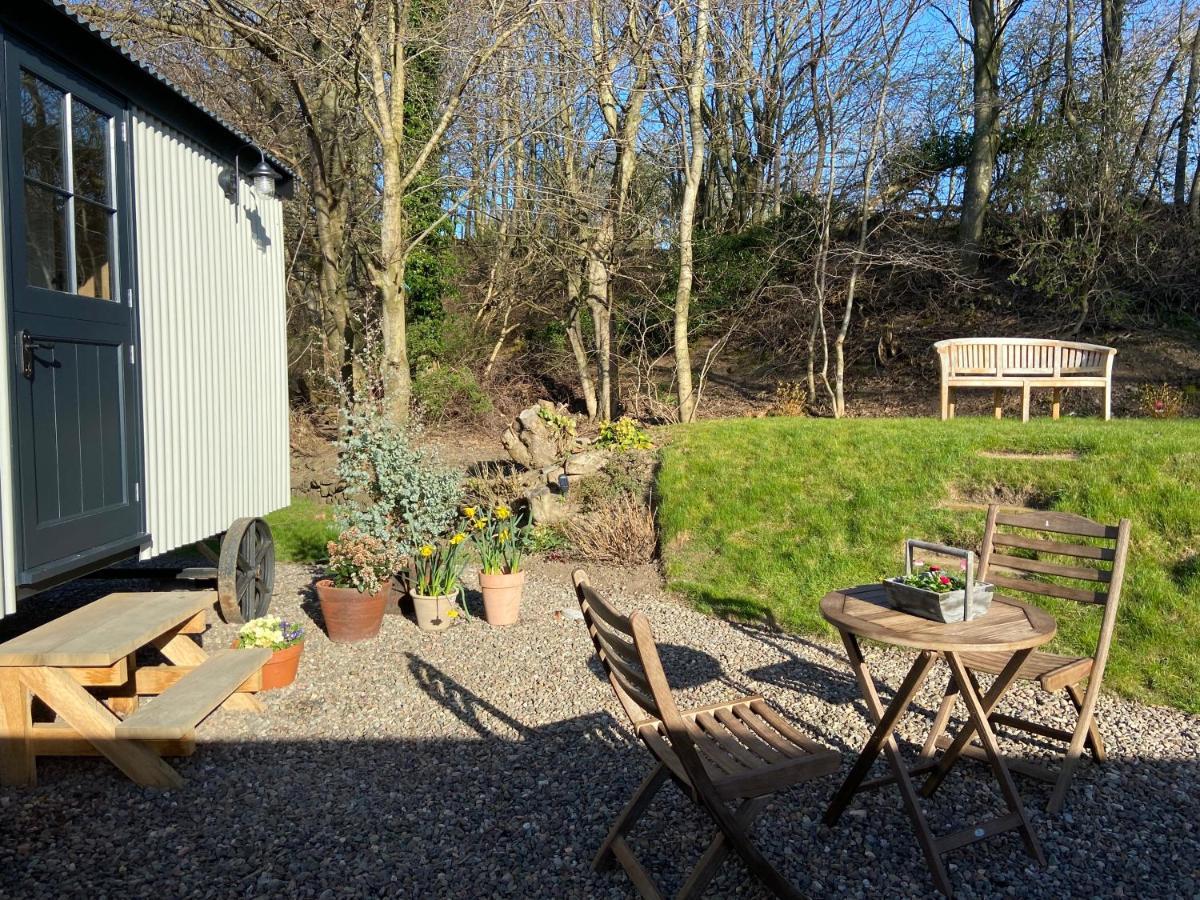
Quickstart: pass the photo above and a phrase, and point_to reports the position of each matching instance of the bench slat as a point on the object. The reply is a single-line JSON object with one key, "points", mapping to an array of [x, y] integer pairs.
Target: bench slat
{"points": [[181, 707]]}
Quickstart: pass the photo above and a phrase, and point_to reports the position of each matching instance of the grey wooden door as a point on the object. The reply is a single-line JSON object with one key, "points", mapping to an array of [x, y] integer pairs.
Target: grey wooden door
{"points": [[76, 414]]}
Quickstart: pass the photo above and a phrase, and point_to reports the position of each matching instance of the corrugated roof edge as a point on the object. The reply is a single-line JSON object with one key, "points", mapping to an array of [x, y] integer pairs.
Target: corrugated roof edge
{"points": [[152, 72]]}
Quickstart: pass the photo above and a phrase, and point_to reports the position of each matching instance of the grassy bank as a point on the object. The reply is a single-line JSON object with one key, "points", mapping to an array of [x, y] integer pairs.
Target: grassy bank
{"points": [[302, 530], [760, 517]]}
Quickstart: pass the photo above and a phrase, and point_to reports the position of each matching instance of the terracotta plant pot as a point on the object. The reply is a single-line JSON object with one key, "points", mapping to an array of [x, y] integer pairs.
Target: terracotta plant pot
{"points": [[280, 670], [501, 597], [433, 612], [349, 615]]}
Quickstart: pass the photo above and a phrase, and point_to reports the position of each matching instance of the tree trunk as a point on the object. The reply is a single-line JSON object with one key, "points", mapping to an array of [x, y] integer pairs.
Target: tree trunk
{"points": [[693, 169], [393, 246], [583, 366], [1186, 118], [986, 140]]}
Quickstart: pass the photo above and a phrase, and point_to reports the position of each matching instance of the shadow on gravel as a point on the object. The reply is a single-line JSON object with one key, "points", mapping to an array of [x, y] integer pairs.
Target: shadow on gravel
{"points": [[686, 667], [518, 810]]}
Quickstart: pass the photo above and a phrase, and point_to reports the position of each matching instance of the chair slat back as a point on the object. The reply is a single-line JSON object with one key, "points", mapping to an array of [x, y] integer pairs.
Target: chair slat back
{"points": [[1055, 554], [626, 648], [612, 635]]}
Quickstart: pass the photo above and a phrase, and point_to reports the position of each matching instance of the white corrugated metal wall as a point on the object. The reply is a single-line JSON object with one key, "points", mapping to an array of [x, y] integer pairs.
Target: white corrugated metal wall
{"points": [[213, 342]]}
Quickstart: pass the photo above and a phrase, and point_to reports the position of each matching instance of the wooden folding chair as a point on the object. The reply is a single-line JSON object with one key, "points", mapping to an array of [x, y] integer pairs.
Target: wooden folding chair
{"points": [[1032, 545], [742, 751]]}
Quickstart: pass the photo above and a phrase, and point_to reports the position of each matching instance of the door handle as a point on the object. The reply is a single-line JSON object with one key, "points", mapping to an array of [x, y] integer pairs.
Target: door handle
{"points": [[28, 345]]}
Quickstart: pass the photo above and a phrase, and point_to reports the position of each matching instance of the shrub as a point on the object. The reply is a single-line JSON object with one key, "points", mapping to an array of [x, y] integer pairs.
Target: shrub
{"points": [[445, 392], [1162, 401], [622, 532], [624, 434], [395, 491], [791, 399], [493, 484]]}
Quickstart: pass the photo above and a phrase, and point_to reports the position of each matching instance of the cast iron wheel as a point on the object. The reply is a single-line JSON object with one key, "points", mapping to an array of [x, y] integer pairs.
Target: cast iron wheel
{"points": [[246, 571]]}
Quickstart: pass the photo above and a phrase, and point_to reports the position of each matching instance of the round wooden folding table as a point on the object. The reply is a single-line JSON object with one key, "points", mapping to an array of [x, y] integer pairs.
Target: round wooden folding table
{"points": [[1008, 626]]}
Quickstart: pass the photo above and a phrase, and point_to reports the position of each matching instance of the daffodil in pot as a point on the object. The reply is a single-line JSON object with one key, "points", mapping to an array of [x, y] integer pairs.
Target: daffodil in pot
{"points": [[501, 539], [437, 583], [355, 593]]}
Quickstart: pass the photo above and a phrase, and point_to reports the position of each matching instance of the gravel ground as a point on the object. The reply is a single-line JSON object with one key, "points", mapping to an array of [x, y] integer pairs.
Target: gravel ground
{"points": [[489, 762]]}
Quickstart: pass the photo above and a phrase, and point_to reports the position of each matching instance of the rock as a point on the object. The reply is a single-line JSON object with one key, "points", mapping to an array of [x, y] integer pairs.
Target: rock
{"points": [[518, 451], [550, 475], [530, 441], [546, 507], [590, 462]]}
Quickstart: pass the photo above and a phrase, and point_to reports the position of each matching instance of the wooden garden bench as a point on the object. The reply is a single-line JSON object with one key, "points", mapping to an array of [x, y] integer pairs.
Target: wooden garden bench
{"points": [[1025, 363], [1025, 551], [741, 751], [83, 668]]}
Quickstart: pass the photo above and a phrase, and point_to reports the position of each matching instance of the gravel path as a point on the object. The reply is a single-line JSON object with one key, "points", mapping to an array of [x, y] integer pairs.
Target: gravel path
{"points": [[490, 762]]}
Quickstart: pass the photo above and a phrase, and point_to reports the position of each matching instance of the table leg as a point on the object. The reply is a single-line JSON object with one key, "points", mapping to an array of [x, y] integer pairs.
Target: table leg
{"points": [[17, 765], [883, 739], [1006, 677], [96, 723], [979, 713]]}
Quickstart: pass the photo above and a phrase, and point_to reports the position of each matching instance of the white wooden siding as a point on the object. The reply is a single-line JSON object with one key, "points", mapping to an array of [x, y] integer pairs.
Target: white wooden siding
{"points": [[213, 341]]}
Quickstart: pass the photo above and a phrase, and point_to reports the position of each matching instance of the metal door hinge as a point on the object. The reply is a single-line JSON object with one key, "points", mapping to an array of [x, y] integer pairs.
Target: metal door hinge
{"points": [[132, 355], [137, 492], [124, 134]]}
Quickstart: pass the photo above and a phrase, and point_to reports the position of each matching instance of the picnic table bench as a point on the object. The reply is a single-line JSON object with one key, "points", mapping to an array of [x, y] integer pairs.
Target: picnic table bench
{"points": [[1025, 363], [83, 667]]}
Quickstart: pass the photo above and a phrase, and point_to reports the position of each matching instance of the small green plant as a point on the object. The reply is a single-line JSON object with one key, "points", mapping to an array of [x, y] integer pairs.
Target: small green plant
{"points": [[561, 425], [547, 539], [447, 392], [501, 538], [271, 632], [439, 566], [625, 434], [1162, 401], [934, 578], [361, 561]]}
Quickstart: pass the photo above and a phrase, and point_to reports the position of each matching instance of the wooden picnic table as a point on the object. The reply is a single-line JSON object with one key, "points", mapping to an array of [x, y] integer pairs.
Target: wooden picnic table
{"points": [[83, 667], [1009, 625]]}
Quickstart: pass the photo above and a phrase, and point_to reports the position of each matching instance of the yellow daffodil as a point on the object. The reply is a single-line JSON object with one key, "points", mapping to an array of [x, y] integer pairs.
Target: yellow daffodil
{"points": [[457, 539], [503, 535], [469, 512], [427, 551], [479, 524], [502, 512], [452, 614]]}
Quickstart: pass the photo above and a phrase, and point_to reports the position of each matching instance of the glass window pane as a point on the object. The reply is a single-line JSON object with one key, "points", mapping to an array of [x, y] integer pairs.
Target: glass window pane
{"points": [[42, 129], [93, 250], [89, 151], [46, 238]]}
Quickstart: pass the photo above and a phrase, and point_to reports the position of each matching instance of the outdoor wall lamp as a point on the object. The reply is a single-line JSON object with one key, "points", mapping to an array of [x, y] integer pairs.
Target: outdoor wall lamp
{"points": [[263, 176]]}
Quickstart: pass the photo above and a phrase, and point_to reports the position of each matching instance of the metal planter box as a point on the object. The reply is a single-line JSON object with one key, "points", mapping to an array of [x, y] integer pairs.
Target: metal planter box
{"points": [[951, 606]]}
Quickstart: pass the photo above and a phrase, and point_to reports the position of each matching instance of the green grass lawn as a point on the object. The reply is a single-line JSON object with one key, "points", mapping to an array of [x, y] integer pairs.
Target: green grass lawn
{"points": [[761, 517], [302, 530]]}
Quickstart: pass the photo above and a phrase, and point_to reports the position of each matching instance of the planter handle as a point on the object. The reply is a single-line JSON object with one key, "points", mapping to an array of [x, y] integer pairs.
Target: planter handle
{"points": [[968, 555]]}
